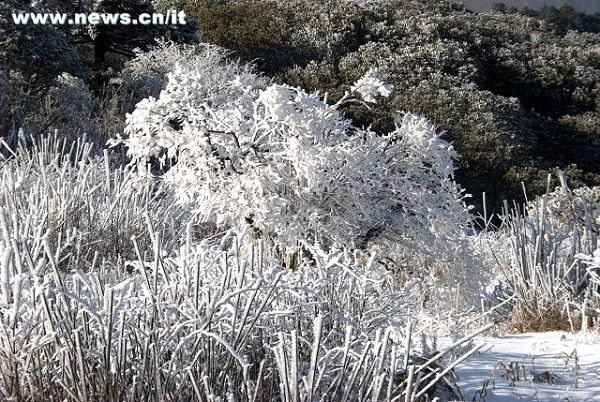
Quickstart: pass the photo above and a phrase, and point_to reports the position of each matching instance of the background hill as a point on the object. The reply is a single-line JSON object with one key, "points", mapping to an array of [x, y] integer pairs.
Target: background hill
{"points": [[588, 6]]}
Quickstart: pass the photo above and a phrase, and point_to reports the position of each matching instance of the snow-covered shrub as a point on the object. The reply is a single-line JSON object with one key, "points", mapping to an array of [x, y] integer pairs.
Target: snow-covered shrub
{"points": [[290, 165], [370, 85], [67, 105], [322, 31], [70, 103]]}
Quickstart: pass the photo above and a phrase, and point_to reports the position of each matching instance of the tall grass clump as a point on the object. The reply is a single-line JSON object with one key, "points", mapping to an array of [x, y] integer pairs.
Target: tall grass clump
{"points": [[83, 204], [206, 324], [545, 263]]}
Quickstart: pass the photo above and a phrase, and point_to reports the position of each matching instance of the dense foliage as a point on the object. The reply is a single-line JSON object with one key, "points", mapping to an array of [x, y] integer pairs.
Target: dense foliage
{"points": [[563, 19]]}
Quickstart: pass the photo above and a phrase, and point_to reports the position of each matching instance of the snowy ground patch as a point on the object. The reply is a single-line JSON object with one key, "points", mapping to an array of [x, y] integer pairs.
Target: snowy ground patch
{"points": [[550, 366]]}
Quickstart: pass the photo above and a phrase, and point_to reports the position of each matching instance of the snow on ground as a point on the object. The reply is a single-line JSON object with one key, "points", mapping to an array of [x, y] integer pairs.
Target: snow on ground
{"points": [[548, 357]]}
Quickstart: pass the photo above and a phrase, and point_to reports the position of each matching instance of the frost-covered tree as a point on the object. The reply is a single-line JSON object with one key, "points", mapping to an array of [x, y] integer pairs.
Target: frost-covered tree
{"points": [[31, 59], [290, 165], [38, 52], [109, 43]]}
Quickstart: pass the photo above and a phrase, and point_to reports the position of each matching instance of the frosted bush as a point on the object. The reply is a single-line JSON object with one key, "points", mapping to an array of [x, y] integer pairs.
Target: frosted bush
{"points": [[68, 106], [73, 98], [370, 85], [290, 165]]}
